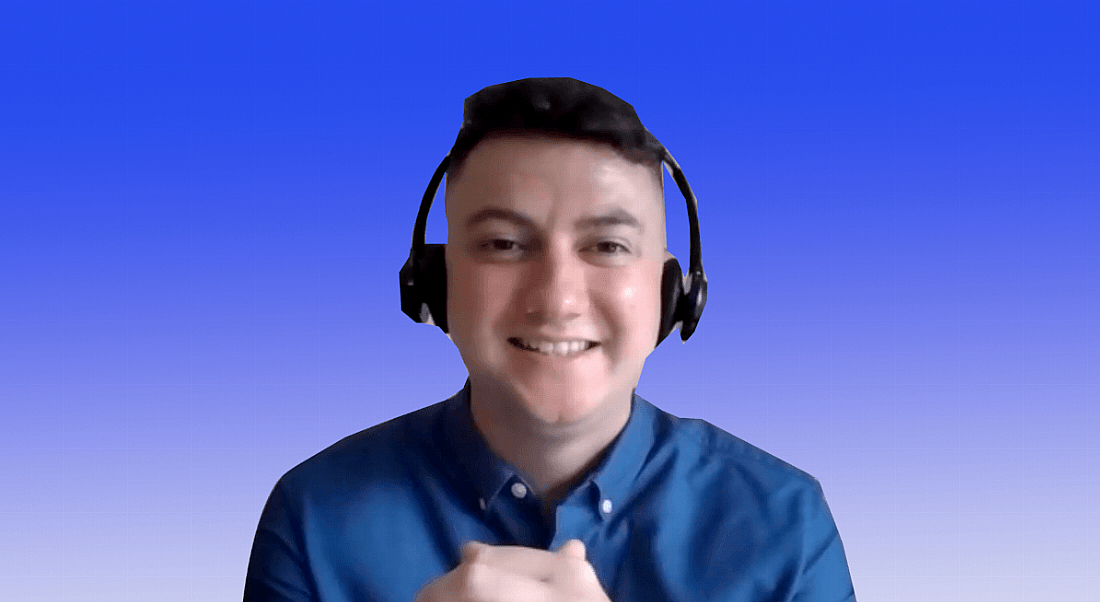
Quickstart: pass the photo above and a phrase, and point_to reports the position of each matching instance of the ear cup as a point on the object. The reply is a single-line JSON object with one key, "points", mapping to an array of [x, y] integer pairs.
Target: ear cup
{"points": [[433, 271], [672, 290], [410, 300], [424, 287], [693, 302]]}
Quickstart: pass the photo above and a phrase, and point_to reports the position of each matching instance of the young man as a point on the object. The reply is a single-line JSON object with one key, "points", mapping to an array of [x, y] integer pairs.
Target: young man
{"points": [[547, 477]]}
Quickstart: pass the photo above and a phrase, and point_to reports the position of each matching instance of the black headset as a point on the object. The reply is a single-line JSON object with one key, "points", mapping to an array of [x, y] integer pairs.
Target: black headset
{"points": [[424, 275]]}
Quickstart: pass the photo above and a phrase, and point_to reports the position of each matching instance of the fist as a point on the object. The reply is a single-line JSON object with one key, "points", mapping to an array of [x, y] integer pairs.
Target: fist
{"points": [[518, 574]]}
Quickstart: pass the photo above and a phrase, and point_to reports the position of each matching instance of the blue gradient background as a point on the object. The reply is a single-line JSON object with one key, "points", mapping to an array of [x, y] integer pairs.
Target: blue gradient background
{"points": [[204, 207]]}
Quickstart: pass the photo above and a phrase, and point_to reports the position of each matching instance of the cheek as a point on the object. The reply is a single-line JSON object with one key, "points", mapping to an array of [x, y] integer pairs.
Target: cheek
{"points": [[475, 294], [639, 305]]}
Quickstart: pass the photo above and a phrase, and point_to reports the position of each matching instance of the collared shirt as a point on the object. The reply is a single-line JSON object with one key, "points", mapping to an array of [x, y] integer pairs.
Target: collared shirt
{"points": [[676, 510]]}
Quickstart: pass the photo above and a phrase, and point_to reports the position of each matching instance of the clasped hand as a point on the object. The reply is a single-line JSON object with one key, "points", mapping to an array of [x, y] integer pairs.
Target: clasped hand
{"points": [[518, 574]]}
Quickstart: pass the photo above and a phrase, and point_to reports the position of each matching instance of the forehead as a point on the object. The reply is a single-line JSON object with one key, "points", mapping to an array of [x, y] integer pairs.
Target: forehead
{"points": [[547, 177]]}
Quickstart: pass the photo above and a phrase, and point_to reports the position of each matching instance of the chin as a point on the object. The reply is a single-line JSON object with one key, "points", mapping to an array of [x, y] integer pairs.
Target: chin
{"points": [[556, 403]]}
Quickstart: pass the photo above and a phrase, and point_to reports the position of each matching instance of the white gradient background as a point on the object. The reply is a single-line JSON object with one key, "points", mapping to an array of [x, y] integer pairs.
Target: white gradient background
{"points": [[204, 207]]}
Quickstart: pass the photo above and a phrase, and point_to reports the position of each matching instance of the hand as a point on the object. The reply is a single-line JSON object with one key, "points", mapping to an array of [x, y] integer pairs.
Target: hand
{"points": [[518, 574]]}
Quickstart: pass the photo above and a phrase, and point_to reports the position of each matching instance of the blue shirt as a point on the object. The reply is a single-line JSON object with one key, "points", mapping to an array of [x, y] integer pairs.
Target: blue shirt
{"points": [[675, 510]]}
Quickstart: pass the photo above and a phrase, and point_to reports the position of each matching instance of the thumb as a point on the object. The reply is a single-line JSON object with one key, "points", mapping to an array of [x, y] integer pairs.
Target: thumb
{"points": [[573, 547], [470, 548]]}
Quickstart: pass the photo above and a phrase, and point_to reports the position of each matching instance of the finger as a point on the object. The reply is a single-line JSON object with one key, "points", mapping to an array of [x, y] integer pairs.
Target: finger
{"points": [[573, 547], [470, 549], [579, 566], [531, 563], [488, 583], [568, 565]]}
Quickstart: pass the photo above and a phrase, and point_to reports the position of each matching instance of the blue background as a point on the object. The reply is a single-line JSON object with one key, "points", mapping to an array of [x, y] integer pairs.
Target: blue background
{"points": [[204, 207]]}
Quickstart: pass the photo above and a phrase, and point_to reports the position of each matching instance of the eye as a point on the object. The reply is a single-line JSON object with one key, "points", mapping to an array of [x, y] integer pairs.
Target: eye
{"points": [[499, 244], [612, 248]]}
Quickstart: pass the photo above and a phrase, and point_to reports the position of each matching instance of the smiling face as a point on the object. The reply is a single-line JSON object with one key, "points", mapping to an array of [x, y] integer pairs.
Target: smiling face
{"points": [[553, 240]]}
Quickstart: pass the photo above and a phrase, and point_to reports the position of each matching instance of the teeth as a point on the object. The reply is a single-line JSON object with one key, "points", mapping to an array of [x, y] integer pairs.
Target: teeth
{"points": [[556, 349]]}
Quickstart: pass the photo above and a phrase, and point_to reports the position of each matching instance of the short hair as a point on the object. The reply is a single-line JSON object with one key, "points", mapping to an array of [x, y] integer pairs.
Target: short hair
{"points": [[560, 108]]}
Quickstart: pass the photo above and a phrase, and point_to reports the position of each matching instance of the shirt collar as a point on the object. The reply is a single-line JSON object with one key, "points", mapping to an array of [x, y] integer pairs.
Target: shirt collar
{"points": [[484, 469], [614, 476]]}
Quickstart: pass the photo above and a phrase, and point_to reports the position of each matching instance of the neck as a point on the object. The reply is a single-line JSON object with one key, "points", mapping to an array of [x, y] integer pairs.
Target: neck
{"points": [[552, 458]]}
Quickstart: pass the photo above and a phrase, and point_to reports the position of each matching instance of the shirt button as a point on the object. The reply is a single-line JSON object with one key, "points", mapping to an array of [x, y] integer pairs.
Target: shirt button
{"points": [[481, 501], [606, 506], [519, 490]]}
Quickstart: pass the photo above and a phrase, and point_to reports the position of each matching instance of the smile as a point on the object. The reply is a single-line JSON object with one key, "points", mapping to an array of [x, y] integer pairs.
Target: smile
{"points": [[551, 349]]}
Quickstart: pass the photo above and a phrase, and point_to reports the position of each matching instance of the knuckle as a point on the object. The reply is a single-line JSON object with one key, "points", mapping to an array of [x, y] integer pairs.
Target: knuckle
{"points": [[472, 578], [578, 565], [571, 570], [477, 554], [582, 569]]}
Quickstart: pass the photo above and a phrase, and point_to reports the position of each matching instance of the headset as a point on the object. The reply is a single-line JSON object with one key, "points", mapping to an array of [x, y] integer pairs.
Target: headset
{"points": [[424, 275]]}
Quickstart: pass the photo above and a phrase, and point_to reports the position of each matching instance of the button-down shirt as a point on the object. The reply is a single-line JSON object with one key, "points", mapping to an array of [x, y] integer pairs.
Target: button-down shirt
{"points": [[675, 510]]}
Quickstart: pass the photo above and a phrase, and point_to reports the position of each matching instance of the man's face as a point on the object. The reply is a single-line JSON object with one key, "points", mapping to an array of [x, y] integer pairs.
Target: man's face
{"points": [[553, 240]]}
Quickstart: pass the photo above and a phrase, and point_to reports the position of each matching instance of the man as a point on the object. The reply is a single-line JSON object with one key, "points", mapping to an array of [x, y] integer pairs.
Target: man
{"points": [[547, 477]]}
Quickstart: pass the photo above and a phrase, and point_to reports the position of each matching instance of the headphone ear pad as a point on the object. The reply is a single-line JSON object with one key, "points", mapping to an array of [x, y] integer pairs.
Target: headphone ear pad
{"points": [[410, 299], [432, 283], [672, 290], [693, 302]]}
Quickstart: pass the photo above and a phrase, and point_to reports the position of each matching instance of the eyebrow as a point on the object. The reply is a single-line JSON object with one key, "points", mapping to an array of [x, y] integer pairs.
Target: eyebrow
{"points": [[614, 217]]}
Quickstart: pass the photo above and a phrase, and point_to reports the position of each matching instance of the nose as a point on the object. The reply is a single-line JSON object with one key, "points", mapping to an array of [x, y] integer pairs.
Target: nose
{"points": [[557, 290]]}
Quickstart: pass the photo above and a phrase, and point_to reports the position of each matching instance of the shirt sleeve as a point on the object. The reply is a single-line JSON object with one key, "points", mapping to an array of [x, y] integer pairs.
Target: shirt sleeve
{"points": [[277, 568], [825, 576]]}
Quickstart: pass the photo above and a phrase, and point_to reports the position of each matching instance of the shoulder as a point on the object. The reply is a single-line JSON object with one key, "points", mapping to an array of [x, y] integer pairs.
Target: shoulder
{"points": [[733, 504], [385, 451], [732, 468]]}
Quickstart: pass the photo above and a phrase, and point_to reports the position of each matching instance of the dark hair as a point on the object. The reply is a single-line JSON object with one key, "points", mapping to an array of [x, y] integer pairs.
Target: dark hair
{"points": [[555, 107]]}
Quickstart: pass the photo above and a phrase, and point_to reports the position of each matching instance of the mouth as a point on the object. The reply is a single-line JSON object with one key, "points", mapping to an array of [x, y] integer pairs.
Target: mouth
{"points": [[559, 350]]}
